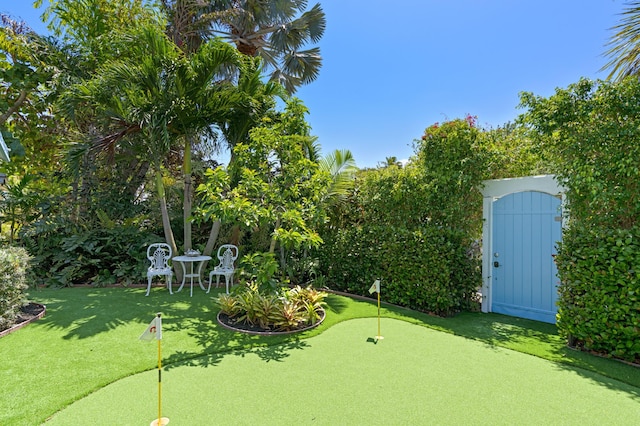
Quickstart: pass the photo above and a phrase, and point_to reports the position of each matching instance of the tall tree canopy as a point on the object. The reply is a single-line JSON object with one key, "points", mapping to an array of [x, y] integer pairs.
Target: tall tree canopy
{"points": [[277, 31]]}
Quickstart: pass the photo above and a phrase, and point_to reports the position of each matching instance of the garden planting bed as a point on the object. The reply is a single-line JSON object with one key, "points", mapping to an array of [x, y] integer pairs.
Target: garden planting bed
{"points": [[28, 313], [231, 323]]}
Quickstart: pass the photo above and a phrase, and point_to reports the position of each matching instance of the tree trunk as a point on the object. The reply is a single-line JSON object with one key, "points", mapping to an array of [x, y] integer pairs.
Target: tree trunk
{"points": [[13, 108], [213, 237], [211, 242], [188, 194], [272, 246], [140, 169], [166, 223]]}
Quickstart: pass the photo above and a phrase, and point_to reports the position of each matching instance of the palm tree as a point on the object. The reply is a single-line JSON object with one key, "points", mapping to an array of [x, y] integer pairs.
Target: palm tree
{"points": [[624, 44], [391, 161], [275, 30], [159, 99], [341, 166]]}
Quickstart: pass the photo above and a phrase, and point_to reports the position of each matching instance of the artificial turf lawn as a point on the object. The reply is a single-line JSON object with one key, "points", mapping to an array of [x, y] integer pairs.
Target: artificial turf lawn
{"points": [[89, 338], [414, 376]]}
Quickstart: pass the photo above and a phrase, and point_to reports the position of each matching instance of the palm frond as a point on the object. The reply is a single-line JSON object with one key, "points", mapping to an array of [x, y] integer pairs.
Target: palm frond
{"points": [[624, 45]]}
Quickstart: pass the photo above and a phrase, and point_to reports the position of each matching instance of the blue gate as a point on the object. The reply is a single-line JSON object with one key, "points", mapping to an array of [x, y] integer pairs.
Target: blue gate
{"points": [[526, 227]]}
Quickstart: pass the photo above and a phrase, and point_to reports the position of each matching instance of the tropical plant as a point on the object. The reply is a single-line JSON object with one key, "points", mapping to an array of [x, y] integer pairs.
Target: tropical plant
{"points": [[18, 204], [281, 309], [276, 31], [391, 162], [341, 167], [277, 186], [159, 101], [624, 44], [23, 69], [227, 304], [261, 269]]}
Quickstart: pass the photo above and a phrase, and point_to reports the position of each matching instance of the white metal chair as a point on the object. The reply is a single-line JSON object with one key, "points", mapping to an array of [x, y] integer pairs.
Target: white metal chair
{"points": [[159, 255], [227, 254]]}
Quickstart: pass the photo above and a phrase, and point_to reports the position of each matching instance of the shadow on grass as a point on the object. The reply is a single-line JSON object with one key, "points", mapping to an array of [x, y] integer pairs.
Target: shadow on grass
{"points": [[533, 338], [83, 313], [87, 312]]}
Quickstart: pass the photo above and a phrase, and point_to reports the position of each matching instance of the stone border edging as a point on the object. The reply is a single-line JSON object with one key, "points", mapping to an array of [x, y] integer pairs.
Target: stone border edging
{"points": [[26, 322], [270, 333]]}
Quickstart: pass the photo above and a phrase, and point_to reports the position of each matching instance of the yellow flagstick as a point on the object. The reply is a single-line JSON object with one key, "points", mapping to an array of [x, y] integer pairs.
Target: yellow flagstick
{"points": [[379, 336], [154, 331], [376, 287], [159, 423]]}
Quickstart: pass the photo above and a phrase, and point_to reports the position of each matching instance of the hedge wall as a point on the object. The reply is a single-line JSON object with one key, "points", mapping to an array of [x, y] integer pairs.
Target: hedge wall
{"points": [[426, 269], [14, 263], [413, 226], [599, 303], [590, 133]]}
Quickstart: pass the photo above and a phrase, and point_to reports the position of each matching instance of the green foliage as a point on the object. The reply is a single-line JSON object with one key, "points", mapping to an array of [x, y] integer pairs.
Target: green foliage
{"points": [[282, 309], [589, 132], [511, 152], [426, 269], [452, 160], [64, 255], [599, 304], [271, 183], [261, 269], [413, 227], [14, 264]]}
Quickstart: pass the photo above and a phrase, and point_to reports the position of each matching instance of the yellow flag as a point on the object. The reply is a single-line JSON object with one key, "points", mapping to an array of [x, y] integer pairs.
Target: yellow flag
{"points": [[154, 330], [375, 287]]}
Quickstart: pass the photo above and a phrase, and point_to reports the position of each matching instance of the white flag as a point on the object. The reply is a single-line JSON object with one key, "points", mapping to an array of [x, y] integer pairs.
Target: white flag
{"points": [[375, 287], [154, 330]]}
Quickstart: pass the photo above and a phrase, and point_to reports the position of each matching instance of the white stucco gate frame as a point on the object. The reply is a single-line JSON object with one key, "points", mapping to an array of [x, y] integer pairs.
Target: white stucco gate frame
{"points": [[494, 190]]}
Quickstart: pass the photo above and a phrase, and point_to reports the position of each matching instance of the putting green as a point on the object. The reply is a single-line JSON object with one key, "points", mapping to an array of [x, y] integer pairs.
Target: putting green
{"points": [[414, 376]]}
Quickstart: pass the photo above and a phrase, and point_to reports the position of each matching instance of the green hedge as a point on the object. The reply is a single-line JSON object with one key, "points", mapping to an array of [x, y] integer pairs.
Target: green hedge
{"points": [[599, 304], [427, 269], [14, 263]]}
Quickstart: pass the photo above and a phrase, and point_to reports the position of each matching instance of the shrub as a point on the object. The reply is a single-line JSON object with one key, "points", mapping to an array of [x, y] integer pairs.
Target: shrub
{"points": [[261, 269], [599, 303], [590, 134], [283, 310], [14, 263], [426, 269], [64, 255], [413, 226]]}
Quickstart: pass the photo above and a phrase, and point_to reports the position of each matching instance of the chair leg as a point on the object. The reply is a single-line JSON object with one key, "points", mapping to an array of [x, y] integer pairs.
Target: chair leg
{"points": [[148, 286], [169, 277], [210, 278]]}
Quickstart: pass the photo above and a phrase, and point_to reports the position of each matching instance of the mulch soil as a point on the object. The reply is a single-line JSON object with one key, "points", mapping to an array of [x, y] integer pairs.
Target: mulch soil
{"points": [[28, 313]]}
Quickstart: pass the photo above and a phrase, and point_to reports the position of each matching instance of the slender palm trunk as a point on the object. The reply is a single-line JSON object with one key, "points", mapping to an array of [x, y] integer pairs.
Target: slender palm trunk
{"points": [[166, 223], [213, 237], [211, 242], [188, 194]]}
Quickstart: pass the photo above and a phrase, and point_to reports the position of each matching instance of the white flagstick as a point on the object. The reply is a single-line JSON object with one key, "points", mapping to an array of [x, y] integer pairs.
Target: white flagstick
{"points": [[154, 331], [376, 287]]}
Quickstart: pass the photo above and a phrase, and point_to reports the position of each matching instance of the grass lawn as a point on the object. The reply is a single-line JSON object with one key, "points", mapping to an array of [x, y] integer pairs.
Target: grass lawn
{"points": [[87, 346]]}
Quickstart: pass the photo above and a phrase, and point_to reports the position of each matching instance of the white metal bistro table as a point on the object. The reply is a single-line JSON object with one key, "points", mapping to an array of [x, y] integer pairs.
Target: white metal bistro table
{"points": [[191, 275]]}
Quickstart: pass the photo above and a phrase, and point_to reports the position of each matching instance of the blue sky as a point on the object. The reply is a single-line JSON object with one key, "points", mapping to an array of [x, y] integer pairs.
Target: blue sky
{"points": [[392, 68]]}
